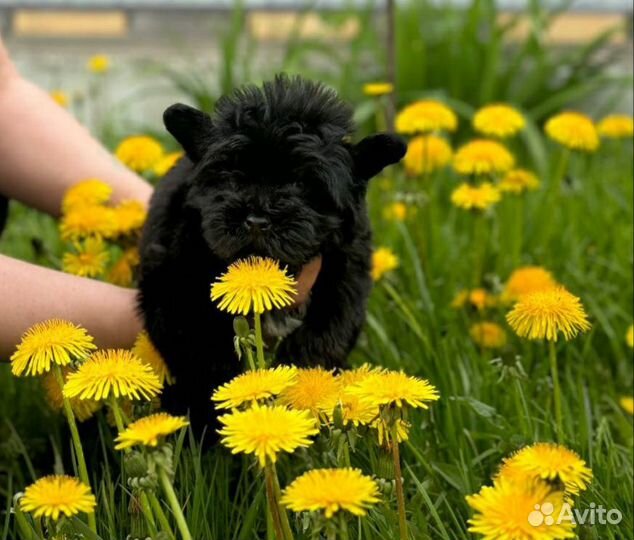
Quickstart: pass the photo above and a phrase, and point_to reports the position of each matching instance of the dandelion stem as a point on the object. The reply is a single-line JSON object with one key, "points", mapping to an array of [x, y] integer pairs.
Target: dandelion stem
{"points": [[554, 372], [273, 506], [343, 526], [286, 526], [380, 115], [168, 489], [344, 450], [398, 481], [26, 531], [560, 172], [479, 247], [250, 358], [270, 529], [162, 518], [116, 412], [74, 433], [554, 192], [522, 409], [518, 230], [331, 531], [259, 342], [147, 514]]}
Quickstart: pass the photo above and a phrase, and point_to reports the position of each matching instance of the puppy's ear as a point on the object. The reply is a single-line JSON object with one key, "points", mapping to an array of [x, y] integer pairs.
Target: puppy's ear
{"points": [[190, 127], [376, 152]]}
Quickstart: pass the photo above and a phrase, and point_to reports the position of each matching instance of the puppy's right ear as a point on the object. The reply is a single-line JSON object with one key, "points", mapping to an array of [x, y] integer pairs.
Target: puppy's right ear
{"points": [[190, 127], [376, 152]]}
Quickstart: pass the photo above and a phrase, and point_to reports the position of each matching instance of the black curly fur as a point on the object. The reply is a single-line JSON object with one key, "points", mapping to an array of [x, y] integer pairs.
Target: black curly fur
{"points": [[280, 152]]}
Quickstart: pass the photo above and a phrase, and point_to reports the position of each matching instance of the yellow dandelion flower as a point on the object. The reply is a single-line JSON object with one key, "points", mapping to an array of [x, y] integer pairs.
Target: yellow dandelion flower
{"points": [[349, 377], [115, 373], [315, 390], [60, 97], [265, 431], [627, 403], [426, 154], [139, 152], [50, 342], [377, 89], [255, 284], [91, 192], [549, 462], [331, 490], [354, 410], [573, 130], [546, 313], [395, 388], [145, 350], [90, 260], [165, 164], [527, 279], [426, 116], [397, 211], [629, 336], [253, 386], [99, 63], [510, 511], [518, 181], [616, 126], [498, 120], [483, 157], [83, 409], [83, 221], [384, 260], [52, 496], [481, 299], [488, 335], [122, 272], [460, 300], [479, 197], [478, 298], [148, 431], [130, 217]]}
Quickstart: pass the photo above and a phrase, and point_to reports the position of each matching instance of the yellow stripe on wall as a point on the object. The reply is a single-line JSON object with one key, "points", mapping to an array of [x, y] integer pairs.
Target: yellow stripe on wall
{"points": [[69, 24]]}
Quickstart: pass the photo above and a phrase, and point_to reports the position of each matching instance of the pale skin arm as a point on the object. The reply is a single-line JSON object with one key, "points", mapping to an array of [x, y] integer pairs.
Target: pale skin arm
{"points": [[30, 294], [43, 151]]}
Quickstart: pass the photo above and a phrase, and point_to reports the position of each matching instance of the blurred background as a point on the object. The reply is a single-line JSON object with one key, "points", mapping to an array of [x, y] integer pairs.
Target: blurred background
{"points": [[539, 55]]}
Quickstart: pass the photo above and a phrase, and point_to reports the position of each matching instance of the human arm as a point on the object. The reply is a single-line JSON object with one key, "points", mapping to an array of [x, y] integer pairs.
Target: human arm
{"points": [[30, 294], [44, 150]]}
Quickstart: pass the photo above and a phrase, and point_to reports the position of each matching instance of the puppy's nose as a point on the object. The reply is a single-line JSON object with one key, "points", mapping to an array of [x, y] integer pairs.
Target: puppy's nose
{"points": [[257, 223]]}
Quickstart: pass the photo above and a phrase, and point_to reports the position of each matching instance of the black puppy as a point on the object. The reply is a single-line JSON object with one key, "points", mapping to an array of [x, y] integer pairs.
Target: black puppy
{"points": [[273, 173]]}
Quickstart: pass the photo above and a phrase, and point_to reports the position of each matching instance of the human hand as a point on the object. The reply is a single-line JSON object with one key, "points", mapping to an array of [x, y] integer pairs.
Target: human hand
{"points": [[306, 279]]}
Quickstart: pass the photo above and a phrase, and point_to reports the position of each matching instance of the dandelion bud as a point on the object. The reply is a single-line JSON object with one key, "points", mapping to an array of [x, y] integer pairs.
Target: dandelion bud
{"points": [[241, 327], [385, 465], [337, 417], [135, 465]]}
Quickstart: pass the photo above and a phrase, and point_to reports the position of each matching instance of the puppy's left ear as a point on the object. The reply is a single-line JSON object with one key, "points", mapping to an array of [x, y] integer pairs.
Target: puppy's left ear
{"points": [[190, 127], [376, 152]]}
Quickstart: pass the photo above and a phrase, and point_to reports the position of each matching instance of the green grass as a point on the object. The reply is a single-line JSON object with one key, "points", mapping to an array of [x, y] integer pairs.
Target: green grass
{"points": [[584, 235]]}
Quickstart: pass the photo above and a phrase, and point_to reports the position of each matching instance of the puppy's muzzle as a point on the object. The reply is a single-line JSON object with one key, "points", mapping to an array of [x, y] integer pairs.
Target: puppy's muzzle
{"points": [[257, 224]]}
